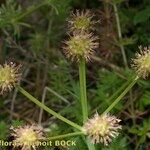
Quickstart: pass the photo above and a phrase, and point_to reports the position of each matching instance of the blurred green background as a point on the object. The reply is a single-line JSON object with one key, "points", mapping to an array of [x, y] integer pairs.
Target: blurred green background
{"points": [[33, 32]]}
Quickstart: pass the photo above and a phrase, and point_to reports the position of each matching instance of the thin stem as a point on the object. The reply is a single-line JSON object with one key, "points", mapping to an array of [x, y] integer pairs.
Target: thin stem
{"points": [[122, 95], [120, 35], [50, 111], [83, 95], [12, 103], [115, 94], [43, 100], [41, 109], [65, 135], [139, 142], [56, 94]]}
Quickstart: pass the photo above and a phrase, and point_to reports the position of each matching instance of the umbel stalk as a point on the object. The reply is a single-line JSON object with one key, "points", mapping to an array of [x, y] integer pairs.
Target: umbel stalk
{"points": [[83, 95], [50, 111]]}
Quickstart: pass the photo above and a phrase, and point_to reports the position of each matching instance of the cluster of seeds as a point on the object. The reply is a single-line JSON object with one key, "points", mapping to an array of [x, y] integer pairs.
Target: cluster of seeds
{"points": [[81, 21], [80, 45], [141, 63], [28, 136], [102, 129], [9, 76], [82, 42]]}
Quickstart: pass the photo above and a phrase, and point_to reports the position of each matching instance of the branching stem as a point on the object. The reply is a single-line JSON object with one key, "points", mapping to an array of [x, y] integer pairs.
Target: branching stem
{"points": [[122, 95], [65, 135], [50, 111]]}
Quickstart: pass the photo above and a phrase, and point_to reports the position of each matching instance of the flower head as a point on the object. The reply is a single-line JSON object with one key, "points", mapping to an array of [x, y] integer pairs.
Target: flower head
{"points": [[101, 129], [9, 76], [142, 62], [80, 45], [81, 21], [27, 137]]}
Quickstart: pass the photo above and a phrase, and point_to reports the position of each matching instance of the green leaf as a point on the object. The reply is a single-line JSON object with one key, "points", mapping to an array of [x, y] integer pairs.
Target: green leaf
{"points": [[142, 16], [16, 123], [8, 13], [144, 100], [142, 130], [3, 130], [118, 144]]}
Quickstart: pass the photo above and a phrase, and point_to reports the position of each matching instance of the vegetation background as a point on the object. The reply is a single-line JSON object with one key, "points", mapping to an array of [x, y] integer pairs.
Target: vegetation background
{"points": [[32, 33]]}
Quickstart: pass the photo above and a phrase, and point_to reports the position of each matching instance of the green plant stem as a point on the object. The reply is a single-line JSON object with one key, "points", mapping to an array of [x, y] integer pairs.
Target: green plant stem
{"points": [[122, 94], [43, 100], [65, 135], [83, 95], [57, 95], [50, 111], [115, 94], [120, 35]]}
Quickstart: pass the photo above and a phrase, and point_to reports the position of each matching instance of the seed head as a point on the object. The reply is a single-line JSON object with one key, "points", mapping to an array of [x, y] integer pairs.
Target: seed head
{"points": [[9, 76], [101, 129], [80, 45], [142, 62], [81, 21], [27, 137]]}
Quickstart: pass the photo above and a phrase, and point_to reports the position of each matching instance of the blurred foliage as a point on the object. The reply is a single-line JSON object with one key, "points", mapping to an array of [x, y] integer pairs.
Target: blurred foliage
{"points": [[32, 33], [3, 130], [8, 14]]}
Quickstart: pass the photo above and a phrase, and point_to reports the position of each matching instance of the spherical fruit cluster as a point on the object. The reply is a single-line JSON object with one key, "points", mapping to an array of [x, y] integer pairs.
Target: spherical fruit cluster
{"points": [[101, 129], [81, 21], [27, 137], [142, 62], [80, 45], [9, 76]]}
